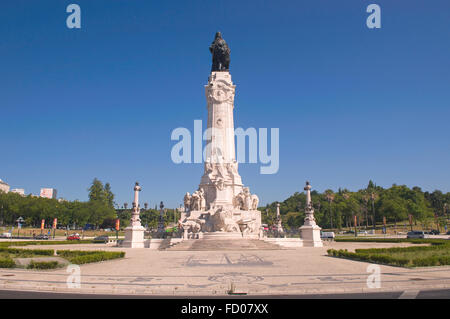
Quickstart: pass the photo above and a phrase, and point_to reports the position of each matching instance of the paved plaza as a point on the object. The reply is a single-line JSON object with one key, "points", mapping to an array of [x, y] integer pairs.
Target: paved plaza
{"points": [[251, 270]]}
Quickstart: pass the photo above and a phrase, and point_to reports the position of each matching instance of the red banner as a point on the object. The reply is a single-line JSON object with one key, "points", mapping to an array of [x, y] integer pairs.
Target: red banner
{"points": [[55, 222], [42, 224], [117, 224], [410, 219]]}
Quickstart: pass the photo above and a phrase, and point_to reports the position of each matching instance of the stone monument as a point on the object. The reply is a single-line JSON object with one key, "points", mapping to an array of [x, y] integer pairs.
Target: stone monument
{"points": [[134, 234], [279, 226], [310, 231], [221, 207]]}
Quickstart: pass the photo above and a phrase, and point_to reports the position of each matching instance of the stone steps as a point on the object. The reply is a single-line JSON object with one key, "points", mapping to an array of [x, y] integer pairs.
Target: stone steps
{"points": [[219, 245]]}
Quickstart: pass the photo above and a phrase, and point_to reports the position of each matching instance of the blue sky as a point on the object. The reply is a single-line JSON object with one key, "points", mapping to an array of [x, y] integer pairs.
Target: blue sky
{"points": [[352, 103]]}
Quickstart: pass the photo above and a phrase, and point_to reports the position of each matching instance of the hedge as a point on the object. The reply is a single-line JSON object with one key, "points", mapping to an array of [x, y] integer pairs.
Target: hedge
{"points": [[83, 257], [44, 242], [42, 265], [374, 256], [433, 241], [7, 263], [41, 252], [74, 256]]}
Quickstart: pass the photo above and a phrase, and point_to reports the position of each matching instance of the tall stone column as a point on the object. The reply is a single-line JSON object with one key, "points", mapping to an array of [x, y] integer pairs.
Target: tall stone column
{"points": [[279, 224], [221, 206], [310, 231], [134, 233], [221, 180]]}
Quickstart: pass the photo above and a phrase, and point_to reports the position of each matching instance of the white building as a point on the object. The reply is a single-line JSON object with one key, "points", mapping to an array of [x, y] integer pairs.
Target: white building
{"points": [[4, 187], [19, 191], [48, 193]]}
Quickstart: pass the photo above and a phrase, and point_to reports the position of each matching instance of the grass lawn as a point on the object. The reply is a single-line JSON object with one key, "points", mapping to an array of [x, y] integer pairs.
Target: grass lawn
{"points": [[8, 253], [437, 254], [28, 232]]}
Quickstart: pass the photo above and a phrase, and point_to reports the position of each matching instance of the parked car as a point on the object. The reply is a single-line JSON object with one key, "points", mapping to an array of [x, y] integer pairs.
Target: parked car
{"points": [[448, 233], [415, 234], [41, 237], [73, 237], [104, 239], [6, 235], [434, 232], [328, 234]]}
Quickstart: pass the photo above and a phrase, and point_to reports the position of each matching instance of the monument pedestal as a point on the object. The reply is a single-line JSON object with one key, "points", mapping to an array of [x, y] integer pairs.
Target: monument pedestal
{"points": [[134, 237], [311, 236]]}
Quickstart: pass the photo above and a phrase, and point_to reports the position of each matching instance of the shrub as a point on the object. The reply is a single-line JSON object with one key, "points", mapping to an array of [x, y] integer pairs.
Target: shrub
{"points": [[432, 241], [7, 263], [382, 256], [42, 265], [28, 252], [83, 257]]}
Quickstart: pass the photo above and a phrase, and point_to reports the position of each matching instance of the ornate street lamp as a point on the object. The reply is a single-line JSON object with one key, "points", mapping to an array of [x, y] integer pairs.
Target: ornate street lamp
{"points": [[19, 221]]}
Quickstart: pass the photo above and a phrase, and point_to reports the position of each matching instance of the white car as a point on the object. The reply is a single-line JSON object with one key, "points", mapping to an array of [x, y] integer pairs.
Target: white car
{"points": [[328, 234]]}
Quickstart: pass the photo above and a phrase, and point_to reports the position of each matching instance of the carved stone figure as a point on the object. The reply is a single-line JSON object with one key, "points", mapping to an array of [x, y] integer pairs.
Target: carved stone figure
{"points": [[248, 226], [223, 221], [219, 183], [193, 226], [246, 201], [202, 199], [220, 54], [195, 201], [187, 202], [255, 202]]}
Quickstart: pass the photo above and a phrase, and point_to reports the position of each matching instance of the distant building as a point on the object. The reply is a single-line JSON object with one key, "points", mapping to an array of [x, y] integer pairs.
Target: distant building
{"points": [[48, 193], [19, 191], [4, 187]]}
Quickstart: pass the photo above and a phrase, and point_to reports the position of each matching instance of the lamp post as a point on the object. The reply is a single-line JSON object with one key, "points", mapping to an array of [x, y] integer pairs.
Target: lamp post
{"points": [[19, 225], [161, 227]]}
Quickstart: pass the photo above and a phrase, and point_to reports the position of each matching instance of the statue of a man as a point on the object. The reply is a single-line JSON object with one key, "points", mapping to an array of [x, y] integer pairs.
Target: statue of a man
{"points": [[220, 54], [202, 199], [195, 201], [187, 202]]}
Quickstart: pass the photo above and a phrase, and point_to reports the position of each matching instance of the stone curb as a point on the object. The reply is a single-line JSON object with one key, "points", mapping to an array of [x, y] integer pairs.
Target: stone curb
{"points": [[208, 293]]}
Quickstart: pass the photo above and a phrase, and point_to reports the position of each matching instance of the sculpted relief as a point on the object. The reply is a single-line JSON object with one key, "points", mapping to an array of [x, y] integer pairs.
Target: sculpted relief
{"points": [[246, 201], [196, 201]]}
